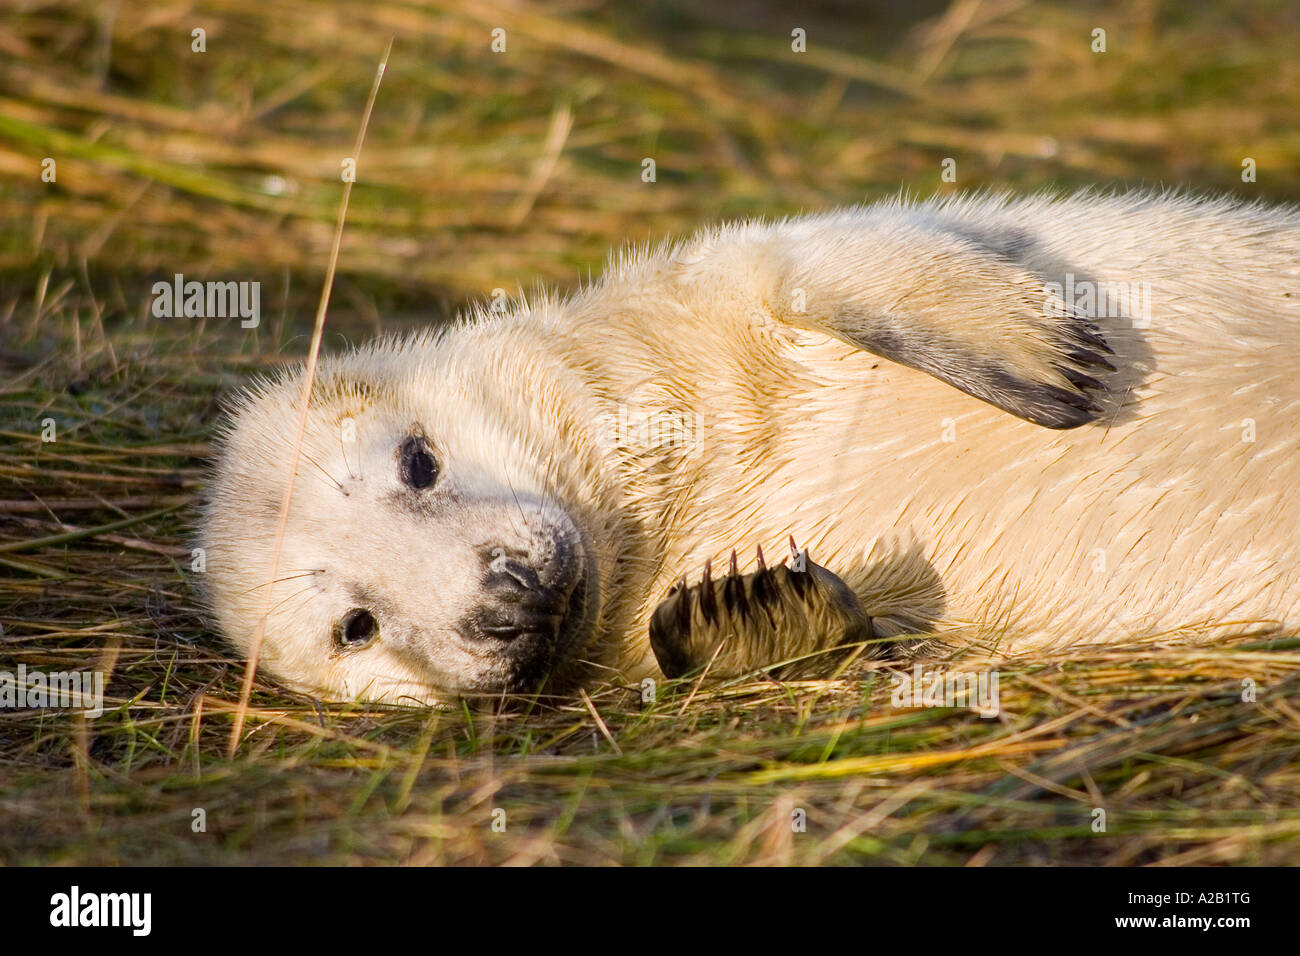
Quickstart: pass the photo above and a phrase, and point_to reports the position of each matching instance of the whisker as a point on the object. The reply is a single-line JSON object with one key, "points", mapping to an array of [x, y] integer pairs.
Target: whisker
{"points": [[547, 476], [295, 594], [522, 517], [304, 572], [344, 452], [321, 469]]}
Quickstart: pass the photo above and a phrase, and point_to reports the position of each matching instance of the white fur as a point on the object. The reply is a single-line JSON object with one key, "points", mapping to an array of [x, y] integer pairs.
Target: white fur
{"points": [[940, 510]]}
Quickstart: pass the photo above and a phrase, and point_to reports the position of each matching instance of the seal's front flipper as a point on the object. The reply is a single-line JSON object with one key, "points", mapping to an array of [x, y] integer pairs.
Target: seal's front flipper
{"points": [[742, 622], [947, 303]]}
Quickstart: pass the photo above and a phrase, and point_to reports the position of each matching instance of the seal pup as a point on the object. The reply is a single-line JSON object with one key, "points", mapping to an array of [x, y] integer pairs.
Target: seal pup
{"points": [[1029, 422]]}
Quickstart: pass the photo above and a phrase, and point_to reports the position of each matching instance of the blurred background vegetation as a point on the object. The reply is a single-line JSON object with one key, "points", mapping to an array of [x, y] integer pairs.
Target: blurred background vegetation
{"points": [[484, 170]]}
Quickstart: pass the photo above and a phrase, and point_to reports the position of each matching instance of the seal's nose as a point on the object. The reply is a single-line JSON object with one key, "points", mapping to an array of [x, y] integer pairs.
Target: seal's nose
{"points": [[523, 597]]}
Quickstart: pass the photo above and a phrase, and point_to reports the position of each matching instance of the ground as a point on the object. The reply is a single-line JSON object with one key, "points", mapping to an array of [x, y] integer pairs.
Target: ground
{"points": [[486, 171]]}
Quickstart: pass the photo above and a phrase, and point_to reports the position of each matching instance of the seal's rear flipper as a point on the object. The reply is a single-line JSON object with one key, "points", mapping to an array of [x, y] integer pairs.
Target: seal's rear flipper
{"points": [[741, 623]]}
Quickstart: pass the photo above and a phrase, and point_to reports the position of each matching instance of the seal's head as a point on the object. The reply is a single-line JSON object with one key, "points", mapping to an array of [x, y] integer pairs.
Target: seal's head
{"points": [[433, 548]]}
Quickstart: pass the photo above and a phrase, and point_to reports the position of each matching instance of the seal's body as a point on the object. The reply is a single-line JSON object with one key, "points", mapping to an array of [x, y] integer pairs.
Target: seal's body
{"points": [[1042, 422]]}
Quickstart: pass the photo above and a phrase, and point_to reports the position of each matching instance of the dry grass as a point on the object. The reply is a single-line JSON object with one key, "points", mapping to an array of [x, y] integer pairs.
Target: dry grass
{"points": [[485, 171]]}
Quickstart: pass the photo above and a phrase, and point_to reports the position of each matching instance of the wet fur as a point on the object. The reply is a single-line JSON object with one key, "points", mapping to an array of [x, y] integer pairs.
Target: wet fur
{"points": [[874, 381]]}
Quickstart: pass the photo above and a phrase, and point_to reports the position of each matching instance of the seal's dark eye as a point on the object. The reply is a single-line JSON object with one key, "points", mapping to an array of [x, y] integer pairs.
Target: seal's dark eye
{"points": [[356, 629], [415, 464]]}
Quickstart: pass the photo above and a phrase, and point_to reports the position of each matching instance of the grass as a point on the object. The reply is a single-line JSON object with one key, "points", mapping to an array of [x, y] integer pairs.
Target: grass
{"points": [[487, 171]]}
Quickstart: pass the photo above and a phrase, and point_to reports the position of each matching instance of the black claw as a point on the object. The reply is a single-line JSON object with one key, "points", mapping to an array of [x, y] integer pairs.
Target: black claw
{"points": [[684, 614], [1065, 397], [764, 590], [799, 581], [733, 593], [1078, 379], [731, 570], [1087, 357], [1096, 341], [708, 602], [796, 554]]}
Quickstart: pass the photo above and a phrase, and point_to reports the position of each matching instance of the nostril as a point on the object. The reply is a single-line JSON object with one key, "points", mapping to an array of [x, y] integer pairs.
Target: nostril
{"points": [[522, 573], [549, 563], [519, 580]]}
